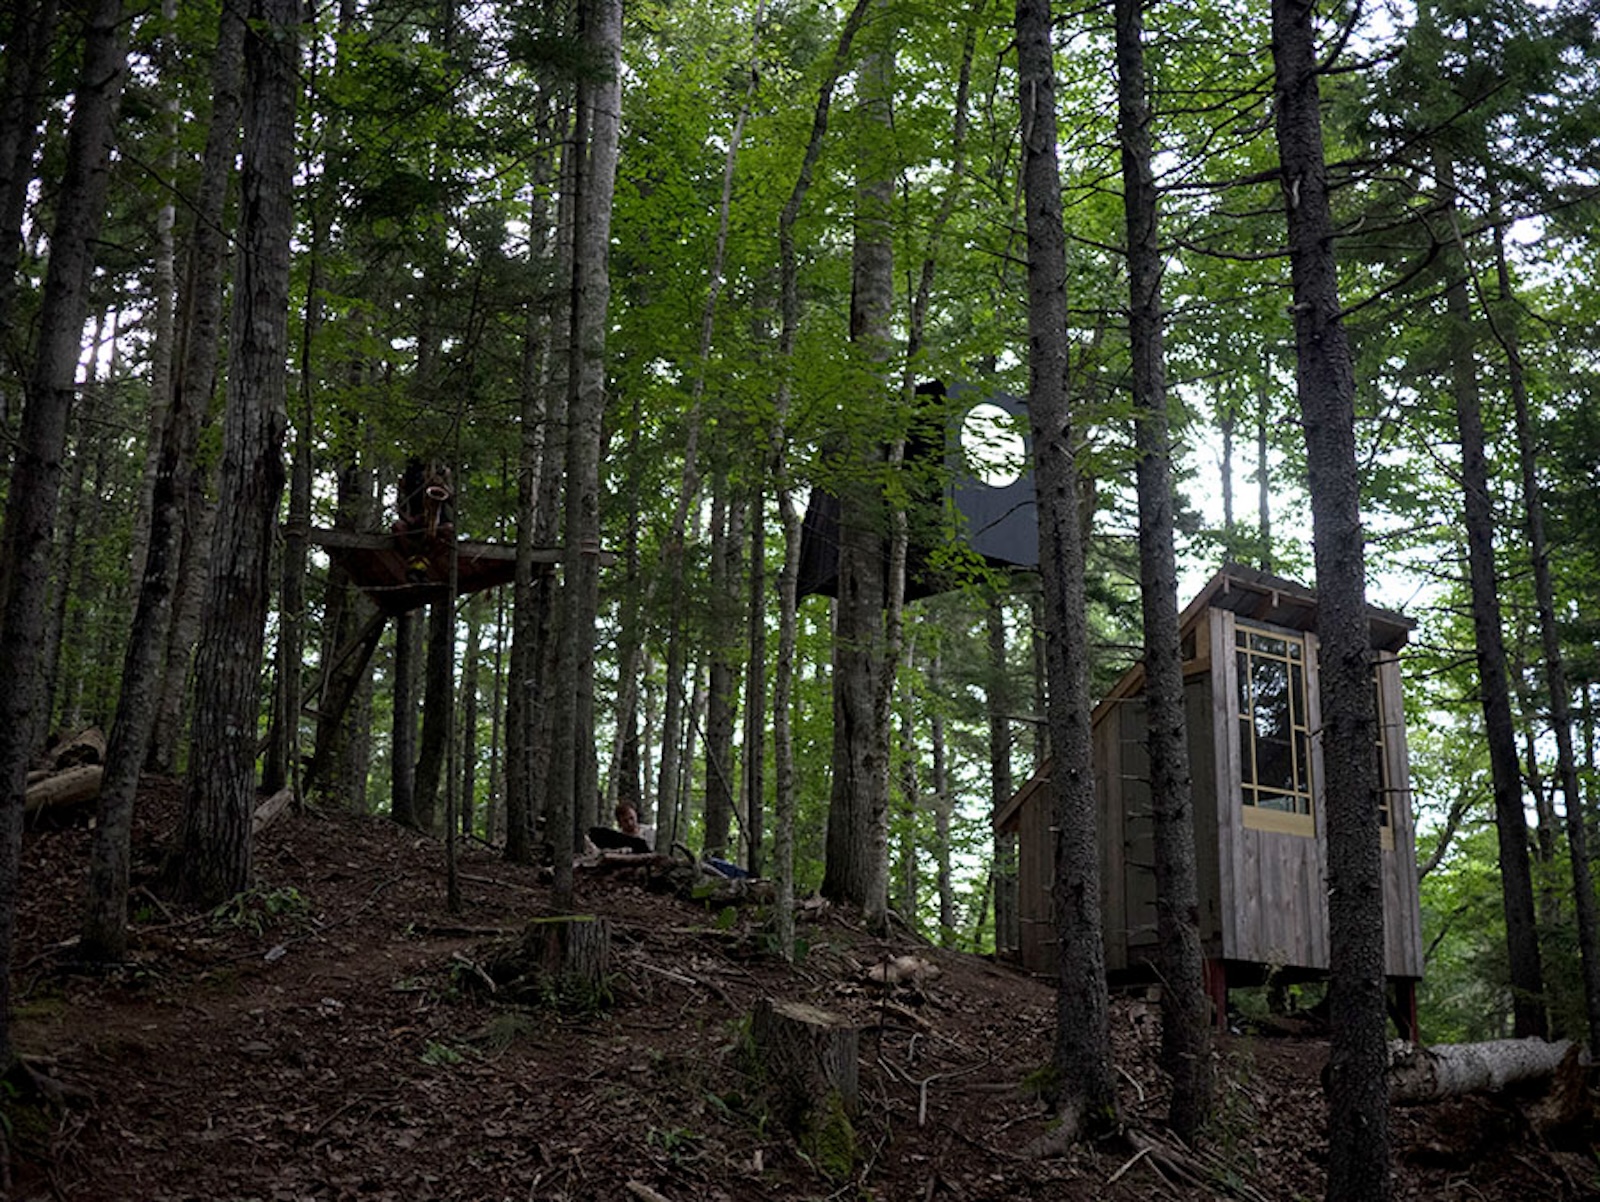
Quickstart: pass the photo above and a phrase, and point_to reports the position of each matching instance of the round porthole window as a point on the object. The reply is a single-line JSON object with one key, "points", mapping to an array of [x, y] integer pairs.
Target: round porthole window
{"points": [[991, 443]]}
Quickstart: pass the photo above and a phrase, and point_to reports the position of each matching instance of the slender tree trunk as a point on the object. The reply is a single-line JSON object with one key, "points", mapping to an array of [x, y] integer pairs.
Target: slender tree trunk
{"points": [[1007, 924], [910, 792], [573, 712], [1503, 324], [104, 935], [219, 796], [438, 712], [199, 326], [943, 804], [788, 510], [755, 687], [403, 741], [1185, 1018], [1511, 822], [721, 701], [22, 105], [469, 716], [35, 484], [856, 868], [1083, 1081], [1358, 1103], [1263, 469]]}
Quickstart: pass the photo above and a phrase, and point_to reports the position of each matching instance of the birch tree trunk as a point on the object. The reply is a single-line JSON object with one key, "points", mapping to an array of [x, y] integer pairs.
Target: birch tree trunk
{"points": [[1185, 1018], [219, 793], [1083, 1082], [1007, 920], [35, 484], [1358, 1103]]}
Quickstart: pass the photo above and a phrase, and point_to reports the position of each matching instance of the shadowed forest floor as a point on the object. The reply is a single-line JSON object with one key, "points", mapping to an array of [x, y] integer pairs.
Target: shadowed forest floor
{"points": [[325, 1037]]}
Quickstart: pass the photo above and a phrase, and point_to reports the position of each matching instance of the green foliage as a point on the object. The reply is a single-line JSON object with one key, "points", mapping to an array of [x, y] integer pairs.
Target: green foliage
{"points": [[263, 909]]}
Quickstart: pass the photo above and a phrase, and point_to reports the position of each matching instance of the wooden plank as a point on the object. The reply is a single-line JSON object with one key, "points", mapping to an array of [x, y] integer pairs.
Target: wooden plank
{"points": [[1224, 687], [1402, 920], [1108, 785], [1203, 776]]}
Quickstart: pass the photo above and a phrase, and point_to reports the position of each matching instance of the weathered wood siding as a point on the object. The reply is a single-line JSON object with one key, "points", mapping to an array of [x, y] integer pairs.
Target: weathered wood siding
{"points": [[1035, 872], [1402, 913]]}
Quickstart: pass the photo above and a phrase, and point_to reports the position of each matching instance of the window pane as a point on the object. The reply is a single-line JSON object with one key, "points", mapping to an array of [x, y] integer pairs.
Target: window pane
{"points": [[1270, 681]]}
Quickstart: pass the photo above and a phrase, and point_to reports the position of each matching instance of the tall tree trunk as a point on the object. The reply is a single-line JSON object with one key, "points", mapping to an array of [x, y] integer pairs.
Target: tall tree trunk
{"points": [[755, 686], [856, 868], [1263, 472], [1185, 1018], [104, 935], [1502, 321], [468, 742], [943, 804], [1358, 1102], [910, 793], [438, 711], [573, 712], [1083, 1081], [1511, 822], [403, 741], [783, 485], [22, 105], [1007, 920], [194, 384], [722, 693], [219, 795], [35, 485]]}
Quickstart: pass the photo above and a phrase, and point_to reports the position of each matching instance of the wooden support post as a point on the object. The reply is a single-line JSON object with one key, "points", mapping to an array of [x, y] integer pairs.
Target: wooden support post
{"points": [[808, 1058], [1216, 980]]}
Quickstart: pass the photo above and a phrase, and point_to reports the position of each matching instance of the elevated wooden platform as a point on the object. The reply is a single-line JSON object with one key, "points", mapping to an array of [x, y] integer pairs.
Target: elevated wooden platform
{"points": [[402, 572]]}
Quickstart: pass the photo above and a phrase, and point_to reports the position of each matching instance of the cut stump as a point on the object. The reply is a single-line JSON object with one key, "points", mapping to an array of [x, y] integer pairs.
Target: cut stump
{"points": [[809, 1059], [563, 961]]}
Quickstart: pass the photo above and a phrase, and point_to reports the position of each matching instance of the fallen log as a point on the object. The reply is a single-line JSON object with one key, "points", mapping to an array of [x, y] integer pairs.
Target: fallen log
{"points": [[269, 810], [1426, 1074], [64, 788], [88, 746]]}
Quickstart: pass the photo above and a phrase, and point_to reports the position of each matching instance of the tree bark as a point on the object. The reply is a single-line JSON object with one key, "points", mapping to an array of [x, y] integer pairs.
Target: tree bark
{"points": [[1185, 1017], [721, 699], [1083, 1082], [1007, 920], [1503, 323], [219, 795], [194, 381], [1511, 822], [1358, 1104], [438, 711], [35, 484], [403, 743], [856, 868], [22, 105], [572, 764], [470, 656]]}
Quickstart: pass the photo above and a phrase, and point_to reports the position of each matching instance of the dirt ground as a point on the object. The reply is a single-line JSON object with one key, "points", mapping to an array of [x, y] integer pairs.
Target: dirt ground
{"points": [[327, 1037]]}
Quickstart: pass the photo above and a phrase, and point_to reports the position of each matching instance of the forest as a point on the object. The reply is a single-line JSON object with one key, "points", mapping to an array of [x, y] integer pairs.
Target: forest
{"points": [[420, 408]]}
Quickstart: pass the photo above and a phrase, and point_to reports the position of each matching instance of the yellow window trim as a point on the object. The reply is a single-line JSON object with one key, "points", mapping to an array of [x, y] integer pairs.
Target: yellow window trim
{"points": [[1276, 822]]}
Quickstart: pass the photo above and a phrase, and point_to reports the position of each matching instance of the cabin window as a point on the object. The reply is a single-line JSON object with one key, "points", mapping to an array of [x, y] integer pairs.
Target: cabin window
{"points": [[1386, 786], [1274, 730]]}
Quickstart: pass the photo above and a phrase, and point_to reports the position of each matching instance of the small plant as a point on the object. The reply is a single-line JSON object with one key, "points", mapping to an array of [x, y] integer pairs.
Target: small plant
{"points": [[255, 910], [441, 1055]]}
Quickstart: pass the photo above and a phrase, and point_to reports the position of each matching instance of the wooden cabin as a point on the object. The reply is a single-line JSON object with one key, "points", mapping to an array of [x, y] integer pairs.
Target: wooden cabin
{"points": [[1250, 682]]}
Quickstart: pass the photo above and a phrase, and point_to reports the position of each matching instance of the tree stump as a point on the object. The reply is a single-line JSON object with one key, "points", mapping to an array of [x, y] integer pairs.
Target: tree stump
{"points": [[562, 961], [808, 1058]]}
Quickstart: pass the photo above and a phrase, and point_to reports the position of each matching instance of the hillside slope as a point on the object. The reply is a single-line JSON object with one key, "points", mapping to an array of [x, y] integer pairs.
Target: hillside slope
{"points": [[328, 1037]]}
